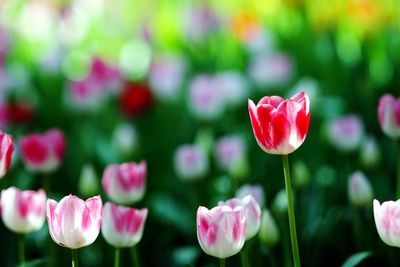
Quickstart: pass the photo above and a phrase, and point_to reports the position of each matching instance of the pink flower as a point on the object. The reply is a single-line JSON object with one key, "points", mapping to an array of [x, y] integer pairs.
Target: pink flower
{"points": [[229, 150], [74, 223], [280, 125], [190, 162], [256, 191], [221, 231], [387, 221], [122, 226], [125, 183], [346, 133], [43, 152], [389, 115], [359, 190], [6, 150], [252, 212], [23, 211]]}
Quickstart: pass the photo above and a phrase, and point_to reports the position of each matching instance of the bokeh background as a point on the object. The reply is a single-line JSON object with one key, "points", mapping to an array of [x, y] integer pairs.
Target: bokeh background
{"points": [[135, 80]]}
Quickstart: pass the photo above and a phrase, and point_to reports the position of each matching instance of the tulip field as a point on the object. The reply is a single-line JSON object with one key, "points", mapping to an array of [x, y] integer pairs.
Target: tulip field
{"points": [[200, 133]]}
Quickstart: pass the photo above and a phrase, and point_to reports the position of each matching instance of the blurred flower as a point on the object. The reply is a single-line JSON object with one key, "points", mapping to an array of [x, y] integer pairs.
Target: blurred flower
{"points": [[43, 152], [269, 232], [6, 151], [389, 115], [221, 231], [270, 69], [370, 153], [88, 183], [125, 183], [308, 85], [4, 43], [190, 162], [233, 86], [105, 75], [301, 174], [345, 133], [125, 138], [359, 190], [387, 221], [262, 42], [280, 203], [200, 21], [135, 98], [122, 226], [280, 125], [229, 150], [15, 112], [246, 24], [256, 191], [252, 212], [23, 211], [166, 76]]}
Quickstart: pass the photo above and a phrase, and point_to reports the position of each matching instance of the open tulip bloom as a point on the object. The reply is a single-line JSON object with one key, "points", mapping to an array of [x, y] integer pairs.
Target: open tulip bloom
{"points": [[280, 126], [387, 217]]}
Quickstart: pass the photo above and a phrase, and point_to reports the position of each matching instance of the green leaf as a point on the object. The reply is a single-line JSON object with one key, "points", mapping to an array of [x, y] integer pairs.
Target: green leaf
{"points": [[355, 259]]}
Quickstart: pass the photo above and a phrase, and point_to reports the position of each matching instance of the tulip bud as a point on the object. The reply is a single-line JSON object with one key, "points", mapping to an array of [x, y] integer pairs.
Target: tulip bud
{"points": [[221, 231], [229, 150], [125, 138], [256, 191], [370, 153], [387, 220], [301, 174], [359, 190], [389, 115], [190, 162], [122, 226], [280, 204], [74, 223], [88, 183], [252, 212], [6, 150], [125, 183], [23, 211], [269, 232]]}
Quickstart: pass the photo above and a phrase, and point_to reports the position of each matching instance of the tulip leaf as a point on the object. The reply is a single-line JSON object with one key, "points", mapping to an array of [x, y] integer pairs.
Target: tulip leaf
{"points": [[357, 258]]}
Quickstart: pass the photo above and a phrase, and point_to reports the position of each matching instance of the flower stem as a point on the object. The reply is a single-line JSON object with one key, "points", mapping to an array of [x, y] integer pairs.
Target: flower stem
{"points": [[221, 262], [74, 257], [398, 171], [21, 250], [243, 257], [135, 258], [116, 257], [46, 184], [292, 221]]}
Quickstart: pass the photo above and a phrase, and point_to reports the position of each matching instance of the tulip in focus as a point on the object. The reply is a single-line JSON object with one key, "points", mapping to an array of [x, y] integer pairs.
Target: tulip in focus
{"points": [[125, 183], [359, 190], [191, 162], [269, 232], [7, 148], [389, 115], [122, 226], [23, 211], [256, 191], [73, 222], [43, 152], [387, 219], [280, 125], [221, 231]]}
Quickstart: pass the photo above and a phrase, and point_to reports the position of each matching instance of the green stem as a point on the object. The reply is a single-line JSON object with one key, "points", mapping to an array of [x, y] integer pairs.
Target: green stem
{"points": [[21, 250], [398, 171], [292, 221], [221, 262], [74, 257], [135, 258], [243, 257], [116, 257], [46, 184]]}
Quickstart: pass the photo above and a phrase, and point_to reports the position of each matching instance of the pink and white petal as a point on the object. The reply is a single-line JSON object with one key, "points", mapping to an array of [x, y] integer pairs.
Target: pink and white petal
{"points": [[255, 122]]}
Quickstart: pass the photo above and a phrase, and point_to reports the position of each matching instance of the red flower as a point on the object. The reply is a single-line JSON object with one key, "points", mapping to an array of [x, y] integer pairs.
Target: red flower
{"points": [[6, 150], [135, 98]]}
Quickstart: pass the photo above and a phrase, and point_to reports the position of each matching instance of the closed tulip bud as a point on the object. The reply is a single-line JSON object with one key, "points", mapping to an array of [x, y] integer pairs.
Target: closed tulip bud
{"points": [[125, 183], [280, 126], [389, 115], [221, 231], [229, 150], [23, 211], [73, 222], [370, 153], [88, 183], [359, 190], [190, 162], [122, 226], [269, 232], [6, 150], [43, 152], [256, 191], [387, 220], [252, 212], [301, 174], [280, 203]]}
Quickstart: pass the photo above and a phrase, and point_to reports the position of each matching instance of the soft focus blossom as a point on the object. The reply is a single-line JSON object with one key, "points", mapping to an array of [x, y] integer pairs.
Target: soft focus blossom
{"points": [[233, 86], [6, 150], [252, 212], [280, 203], [221, 231], [42, 152], [269, 232], [125, 183], [301, 174], [370, 153], [190, 162], [135, 98], [359, 190], [229, 150], [345, 133], [256, 191], [389, 115], [125, 138], [387, 218], [122, 226], [73, 222], [280, 125], [88, 183], [23, 211], [262, 42], [200, 22]]}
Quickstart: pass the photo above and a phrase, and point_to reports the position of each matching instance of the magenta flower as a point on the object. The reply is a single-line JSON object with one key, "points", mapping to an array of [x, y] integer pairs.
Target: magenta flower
{"points": [[387, 221], [74, 223], [6, 150], [389, 115], [122, 226], [43, 152], [125, 183], [280, 125], [23, 211]]}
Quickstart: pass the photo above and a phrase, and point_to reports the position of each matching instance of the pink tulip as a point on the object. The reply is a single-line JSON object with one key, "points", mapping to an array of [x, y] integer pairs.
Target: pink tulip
{"points": [[23, 211], [221, 231], [389, 115], [252, 212], [122, 226], [256, 191], [43, 152], [359, 190], [280, 125], [6, 150], [229, 150], [125, 183], [346, 133], [74, 223], [387, 221], [190, 162]]}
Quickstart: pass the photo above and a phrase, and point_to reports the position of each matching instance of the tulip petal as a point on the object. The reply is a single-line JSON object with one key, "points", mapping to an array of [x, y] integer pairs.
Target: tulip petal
{"points": [[258, 132]]}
